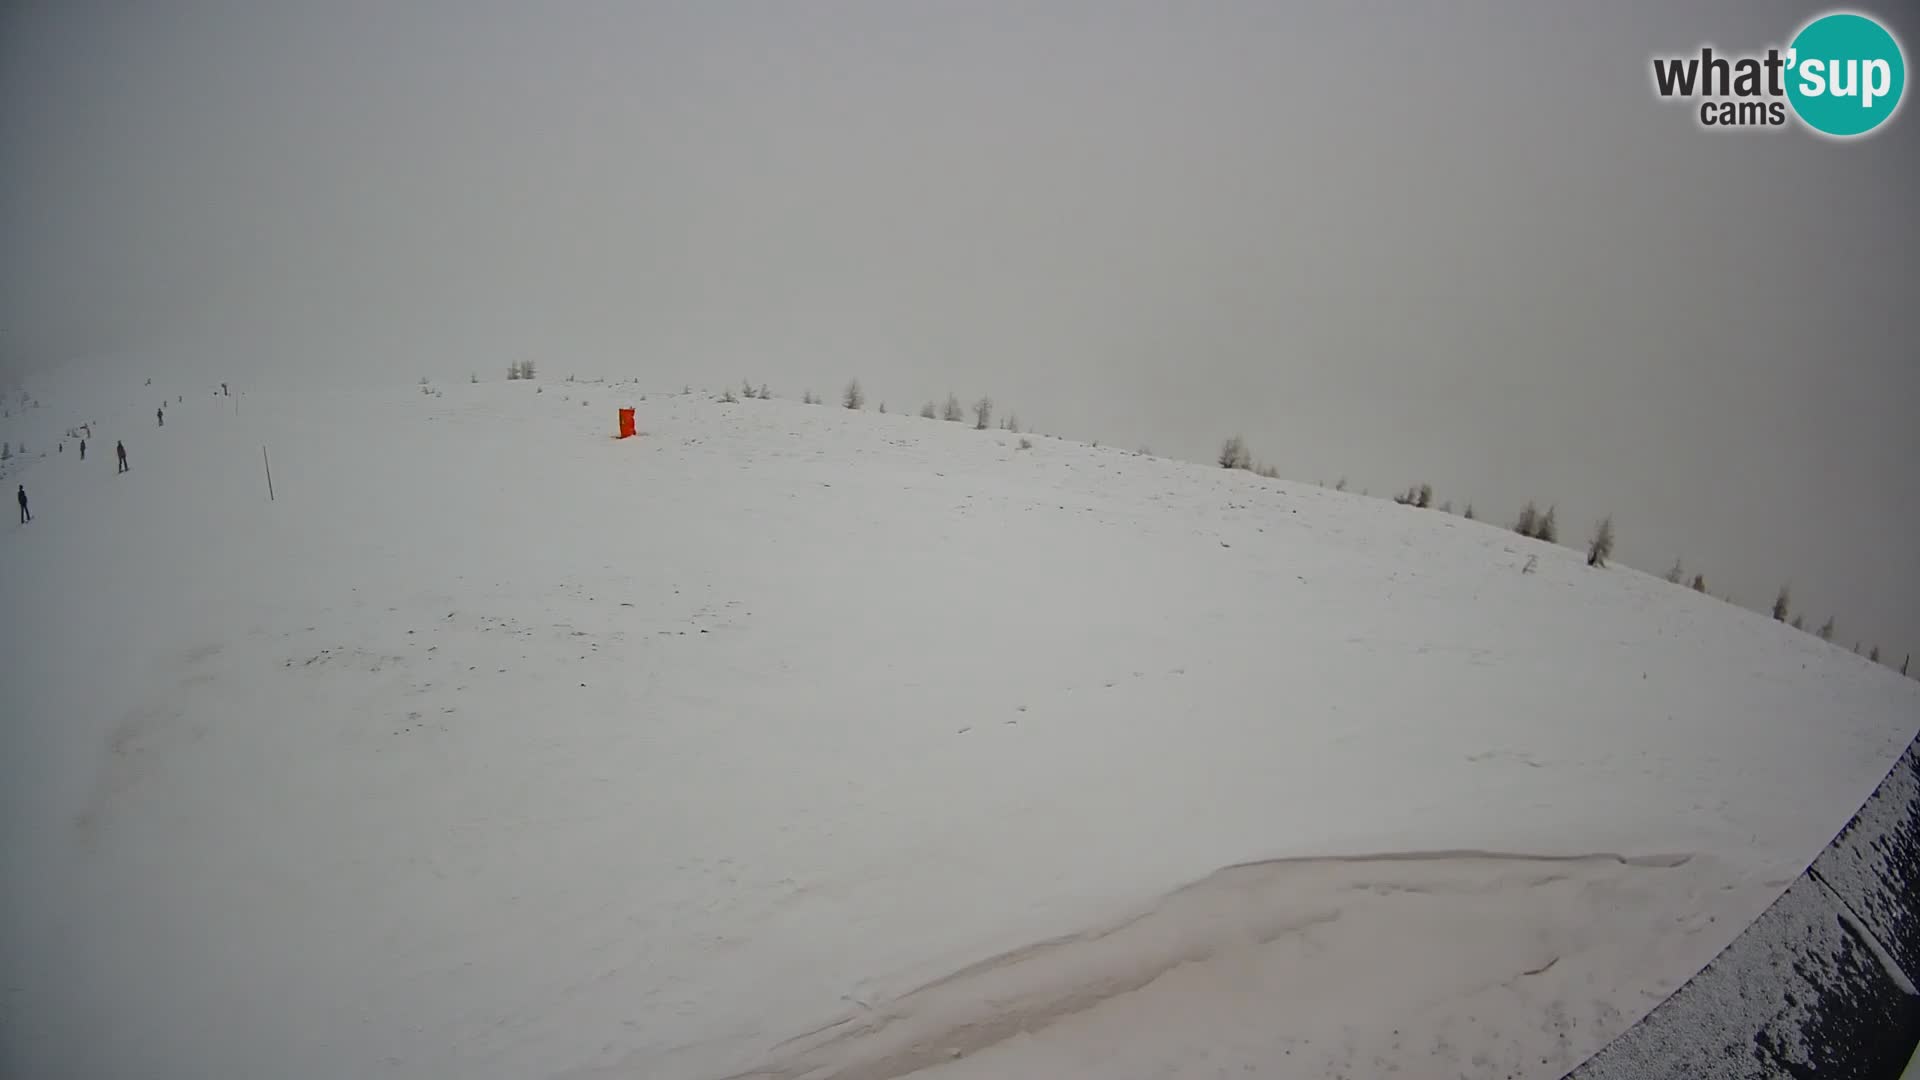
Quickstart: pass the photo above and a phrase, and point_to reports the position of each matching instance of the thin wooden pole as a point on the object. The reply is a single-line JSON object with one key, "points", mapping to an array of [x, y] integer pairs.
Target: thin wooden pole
{"points": [[269, 465]]}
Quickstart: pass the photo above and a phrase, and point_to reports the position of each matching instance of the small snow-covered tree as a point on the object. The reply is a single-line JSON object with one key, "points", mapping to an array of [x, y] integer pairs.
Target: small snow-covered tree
{"points": [[1528, 520], [853, 398], [1341, 484], [952, 410], [1799, 622], [746, 389], [926, 411], [1469, 515], [1675, 573], [1874, 654], [1780, 605], [1699, 583], [513, 372], [1826, 630], [1423, 498], [807, 398], [983, 413], [883, 407], [728, 398], [1233, 453], [765, 394], [1447, 507], [1547, 528], [1600, 548], [1013, 423]]}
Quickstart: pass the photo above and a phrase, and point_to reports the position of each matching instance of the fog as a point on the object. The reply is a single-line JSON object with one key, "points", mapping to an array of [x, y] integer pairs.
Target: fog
{"points": [[1464, 246]]}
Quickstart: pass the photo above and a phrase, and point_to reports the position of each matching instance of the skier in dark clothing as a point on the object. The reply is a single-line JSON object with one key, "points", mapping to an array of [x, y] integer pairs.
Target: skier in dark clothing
{"points": [[121, 449], [161, 412], [26, 515], [83, 449]]}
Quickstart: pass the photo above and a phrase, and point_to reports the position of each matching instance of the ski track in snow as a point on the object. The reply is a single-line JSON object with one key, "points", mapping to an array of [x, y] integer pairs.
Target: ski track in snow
{"points": [[789, 742]]}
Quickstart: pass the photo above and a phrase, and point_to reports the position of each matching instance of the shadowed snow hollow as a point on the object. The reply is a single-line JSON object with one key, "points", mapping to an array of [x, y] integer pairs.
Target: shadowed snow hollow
{"points": [[796, 742]]}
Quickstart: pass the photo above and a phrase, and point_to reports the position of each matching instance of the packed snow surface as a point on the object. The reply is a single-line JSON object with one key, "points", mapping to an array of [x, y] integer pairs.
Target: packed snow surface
{"points": [[796, 742]]}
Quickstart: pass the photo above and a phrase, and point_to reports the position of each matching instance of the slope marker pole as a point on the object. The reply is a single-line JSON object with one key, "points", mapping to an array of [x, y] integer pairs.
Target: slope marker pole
{"points": [[269, 467]]}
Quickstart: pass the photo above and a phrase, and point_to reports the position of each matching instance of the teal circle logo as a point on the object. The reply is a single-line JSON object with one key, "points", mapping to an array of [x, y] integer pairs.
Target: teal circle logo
{"points": [[1845, 74]]}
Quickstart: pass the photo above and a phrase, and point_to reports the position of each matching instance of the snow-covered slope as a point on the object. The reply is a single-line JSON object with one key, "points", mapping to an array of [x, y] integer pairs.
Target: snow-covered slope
{"points": [[795, 742]]}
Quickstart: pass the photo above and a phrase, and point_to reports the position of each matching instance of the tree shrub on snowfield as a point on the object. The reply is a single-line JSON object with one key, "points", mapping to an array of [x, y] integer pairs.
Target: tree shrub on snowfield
{"points": [[1546, 528], [1780, 605], [1600, 548], [854, 397], [983, 414], [926, 411], [1233, 453], [1528, 520], [953, 411]]}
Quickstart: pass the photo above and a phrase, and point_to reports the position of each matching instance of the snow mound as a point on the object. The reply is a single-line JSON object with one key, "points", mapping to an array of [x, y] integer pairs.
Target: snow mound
{"points": [[1263, 958]]}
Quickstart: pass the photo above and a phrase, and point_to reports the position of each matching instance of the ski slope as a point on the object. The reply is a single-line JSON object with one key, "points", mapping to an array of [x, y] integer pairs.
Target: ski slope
{"points": [[788, 741]]}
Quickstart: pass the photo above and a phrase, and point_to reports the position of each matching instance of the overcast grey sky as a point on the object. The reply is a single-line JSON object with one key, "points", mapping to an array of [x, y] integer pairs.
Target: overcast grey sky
{"points": [[1459, 243]]}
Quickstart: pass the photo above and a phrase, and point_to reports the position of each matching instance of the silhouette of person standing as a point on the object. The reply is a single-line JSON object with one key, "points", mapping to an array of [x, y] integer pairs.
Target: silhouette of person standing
{"points": [[121, 449], [161, 413], [26, 515], [83, 449]]}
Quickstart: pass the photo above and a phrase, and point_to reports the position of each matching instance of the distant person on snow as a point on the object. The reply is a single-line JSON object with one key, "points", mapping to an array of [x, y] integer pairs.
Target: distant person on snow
{"points": [[121, 449], [26, 515], [83, 449], [161, 412]]}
